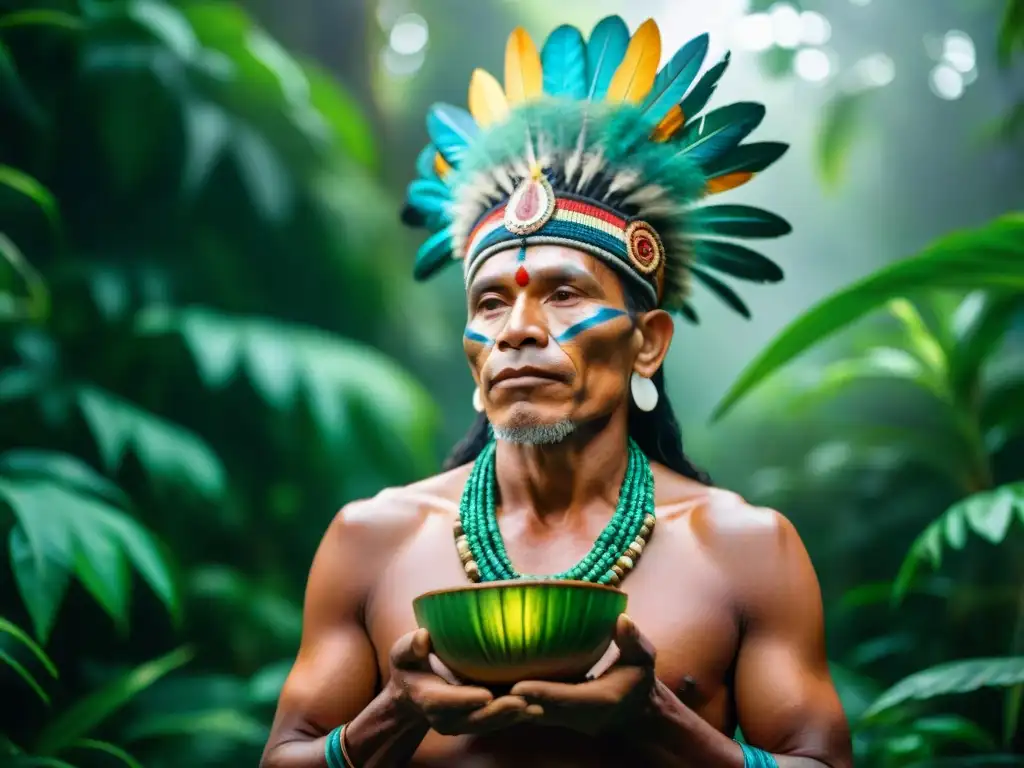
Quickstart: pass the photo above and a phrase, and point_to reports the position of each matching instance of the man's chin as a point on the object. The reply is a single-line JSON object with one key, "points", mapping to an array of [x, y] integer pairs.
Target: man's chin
{"points": [[532, 432]]}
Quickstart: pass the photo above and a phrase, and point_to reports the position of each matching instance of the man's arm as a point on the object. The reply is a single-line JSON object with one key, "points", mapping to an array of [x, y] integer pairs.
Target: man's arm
{"points": [[334, 679], [786, 702]]}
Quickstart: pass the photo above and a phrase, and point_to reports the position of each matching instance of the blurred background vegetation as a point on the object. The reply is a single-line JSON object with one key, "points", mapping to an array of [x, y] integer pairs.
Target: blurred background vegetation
{"points": [[210, 340]]}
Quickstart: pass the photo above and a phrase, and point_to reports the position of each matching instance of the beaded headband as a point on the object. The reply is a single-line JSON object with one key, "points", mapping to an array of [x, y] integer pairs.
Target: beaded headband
{"points": [[590, 145]]}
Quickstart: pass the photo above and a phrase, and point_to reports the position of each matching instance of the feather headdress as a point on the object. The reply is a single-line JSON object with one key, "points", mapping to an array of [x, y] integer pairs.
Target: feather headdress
{"points": [[590, 144]]}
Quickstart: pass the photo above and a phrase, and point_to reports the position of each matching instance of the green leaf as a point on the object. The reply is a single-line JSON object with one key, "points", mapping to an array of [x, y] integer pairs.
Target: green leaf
{"points": [[1002, 412], [24, 674], [345, 385], [107, 748], [208, 128], [988, 257], [270, 186], [920, 340], [1011, 31], [61, 532], [168, 452], [94, 709], [987, 514], [951, 678], [979, 328], [41, 17], [22, 637], [38, 761], [952, 729], [352, 132], [62, 469], [226, 723], [25, 185], [841, 122], [35, 305], [41, 566]]}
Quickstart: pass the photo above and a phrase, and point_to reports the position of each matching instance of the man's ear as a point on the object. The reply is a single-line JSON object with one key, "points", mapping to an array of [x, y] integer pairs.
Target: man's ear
{"points": [[656, 329]]}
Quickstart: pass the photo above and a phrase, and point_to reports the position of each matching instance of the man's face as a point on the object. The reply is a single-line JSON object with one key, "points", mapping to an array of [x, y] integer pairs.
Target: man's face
{"points": [[551, 351]]}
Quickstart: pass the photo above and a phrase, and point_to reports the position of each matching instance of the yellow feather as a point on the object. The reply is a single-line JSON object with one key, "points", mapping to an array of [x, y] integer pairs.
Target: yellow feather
{"points": [[669, 124], [634, 77], [487, 102], [524, 78], [441, 166], [728, 181]]}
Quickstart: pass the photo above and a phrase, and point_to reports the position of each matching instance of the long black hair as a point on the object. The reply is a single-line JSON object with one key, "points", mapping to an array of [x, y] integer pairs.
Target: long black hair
{"points": [[657, 432]]}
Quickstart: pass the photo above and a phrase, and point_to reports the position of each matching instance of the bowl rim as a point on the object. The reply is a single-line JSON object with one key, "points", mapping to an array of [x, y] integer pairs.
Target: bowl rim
{"points": [[520, 583]]}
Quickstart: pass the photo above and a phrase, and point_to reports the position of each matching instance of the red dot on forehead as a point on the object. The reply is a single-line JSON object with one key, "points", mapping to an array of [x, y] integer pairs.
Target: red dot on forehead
{"points": [[522, 277]]}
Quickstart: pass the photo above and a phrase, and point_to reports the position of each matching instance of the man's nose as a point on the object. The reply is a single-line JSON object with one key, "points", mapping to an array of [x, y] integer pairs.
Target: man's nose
{"points": [[525, 327]]}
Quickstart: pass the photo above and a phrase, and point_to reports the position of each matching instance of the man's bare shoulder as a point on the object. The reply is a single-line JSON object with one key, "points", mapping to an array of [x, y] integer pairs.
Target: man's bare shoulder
{"points": [[720, 518], [385, 520]]}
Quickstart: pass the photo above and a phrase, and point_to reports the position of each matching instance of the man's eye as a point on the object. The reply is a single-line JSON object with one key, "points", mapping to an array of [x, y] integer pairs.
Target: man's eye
{"points": [[563, 295], [490, 304]]}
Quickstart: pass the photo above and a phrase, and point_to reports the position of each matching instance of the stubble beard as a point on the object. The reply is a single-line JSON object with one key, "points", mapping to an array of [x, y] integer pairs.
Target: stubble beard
{"points": [[523, 429]]}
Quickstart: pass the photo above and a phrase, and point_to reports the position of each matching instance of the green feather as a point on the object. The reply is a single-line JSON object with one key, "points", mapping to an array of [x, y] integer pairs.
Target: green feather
{"points": [[721, 290], [740, 221], [434, 254], [430, 198], [738, 261], [605, 51], [747, 158], [709, 138], [698, 98], [564, 61], [675, 78], [452, 130], [687, 310]]}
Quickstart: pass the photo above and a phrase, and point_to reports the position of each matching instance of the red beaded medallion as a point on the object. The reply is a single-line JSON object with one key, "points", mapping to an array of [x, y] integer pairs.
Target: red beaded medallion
{"points": [[644, 247], [530, 206]]}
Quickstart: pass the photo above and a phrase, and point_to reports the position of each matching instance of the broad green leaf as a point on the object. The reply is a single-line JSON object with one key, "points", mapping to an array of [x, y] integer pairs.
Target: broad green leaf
{"points": [[61, 532], [208, 129], [94, 709], [991, 256], [921, 341], [62, 469], [41, 564], [841, 121], [22, 637], [25, 185], [227, 723], [168, 452], [987, 514], [954, 730], [270, 185], [110, 749], [166, 24], [35, 304], [346, 385], [952, 678], [41, 17], [24, 674]]}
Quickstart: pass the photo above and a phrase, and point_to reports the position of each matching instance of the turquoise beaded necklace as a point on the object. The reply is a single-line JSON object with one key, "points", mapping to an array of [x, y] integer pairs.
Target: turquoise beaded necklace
{"points": [[482, 551]]}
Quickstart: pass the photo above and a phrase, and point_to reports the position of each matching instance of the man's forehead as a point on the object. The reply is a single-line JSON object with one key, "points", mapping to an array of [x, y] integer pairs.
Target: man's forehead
{"points": [[547, 258]]}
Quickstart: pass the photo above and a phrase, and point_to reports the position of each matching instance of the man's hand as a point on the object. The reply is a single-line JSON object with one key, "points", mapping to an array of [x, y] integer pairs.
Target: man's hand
{"points": [[422, 684], [621, 686]]}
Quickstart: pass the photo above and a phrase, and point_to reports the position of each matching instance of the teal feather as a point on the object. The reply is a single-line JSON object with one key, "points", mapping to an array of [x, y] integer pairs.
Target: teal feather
{"points": [[430, 198], [721, 290], [740, 221], [747, 158], [605, 51], [452, 130], [434, 254], [710, 137], [738, 261], [698, 98], [425, 162], [564, 61], [675, 78]]}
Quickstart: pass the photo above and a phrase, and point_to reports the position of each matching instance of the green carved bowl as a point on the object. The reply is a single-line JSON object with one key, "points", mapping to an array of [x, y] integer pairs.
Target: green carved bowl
{"points": [[499, 633]]}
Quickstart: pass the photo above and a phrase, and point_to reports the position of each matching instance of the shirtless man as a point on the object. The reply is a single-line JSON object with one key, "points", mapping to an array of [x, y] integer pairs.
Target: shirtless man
{"points": [[567, 330]]}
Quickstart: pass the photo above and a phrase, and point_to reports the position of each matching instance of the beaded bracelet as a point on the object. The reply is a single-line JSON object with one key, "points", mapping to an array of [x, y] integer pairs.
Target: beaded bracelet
{"points": [[334, 749], [756, 758]]}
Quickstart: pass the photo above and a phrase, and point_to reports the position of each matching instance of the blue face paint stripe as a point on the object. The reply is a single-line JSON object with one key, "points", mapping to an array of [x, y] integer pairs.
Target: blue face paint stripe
{"points": [[602, 315], [477, 337]]}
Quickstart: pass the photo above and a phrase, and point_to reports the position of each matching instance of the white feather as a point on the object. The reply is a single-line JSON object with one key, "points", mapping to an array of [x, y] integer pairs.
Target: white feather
{"points": [[591, 165]]}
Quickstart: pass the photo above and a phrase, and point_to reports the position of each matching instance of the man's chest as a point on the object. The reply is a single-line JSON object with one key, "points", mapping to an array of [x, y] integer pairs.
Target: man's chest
{"points": [[677, 596]]}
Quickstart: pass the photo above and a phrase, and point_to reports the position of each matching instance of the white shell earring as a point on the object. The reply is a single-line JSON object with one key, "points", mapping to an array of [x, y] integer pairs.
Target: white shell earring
{"points": [[645, 394], [478, 402]]}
